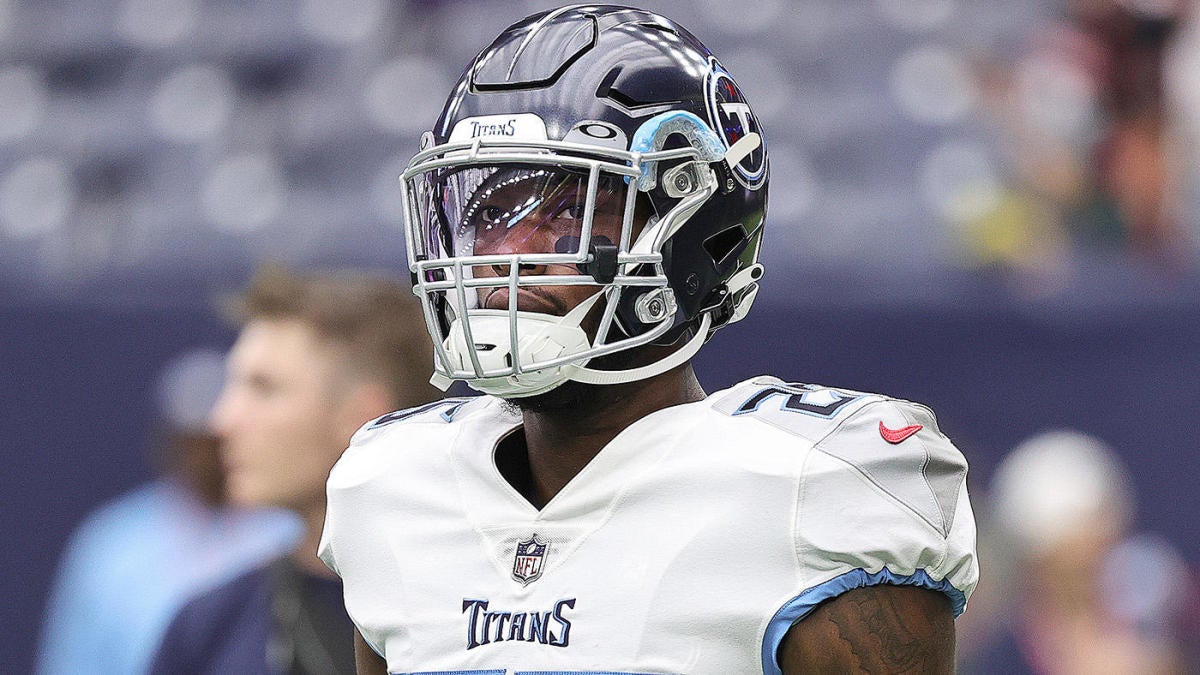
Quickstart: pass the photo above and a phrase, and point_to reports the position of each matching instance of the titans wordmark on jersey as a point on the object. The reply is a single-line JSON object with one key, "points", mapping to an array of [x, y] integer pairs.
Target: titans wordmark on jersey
{"points": [[690, 544]]}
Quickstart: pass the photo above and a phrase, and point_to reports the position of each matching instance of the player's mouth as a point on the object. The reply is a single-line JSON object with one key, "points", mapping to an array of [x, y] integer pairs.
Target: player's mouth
{"points": [[529, 299]]}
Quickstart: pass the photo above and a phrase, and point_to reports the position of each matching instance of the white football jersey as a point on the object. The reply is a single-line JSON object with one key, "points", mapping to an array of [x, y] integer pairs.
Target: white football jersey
{"points": [[690, 544]]}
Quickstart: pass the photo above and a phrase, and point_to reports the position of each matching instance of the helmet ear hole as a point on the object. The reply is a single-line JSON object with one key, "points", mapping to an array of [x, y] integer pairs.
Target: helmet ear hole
{"points": [[726, 244], [442, 312]]}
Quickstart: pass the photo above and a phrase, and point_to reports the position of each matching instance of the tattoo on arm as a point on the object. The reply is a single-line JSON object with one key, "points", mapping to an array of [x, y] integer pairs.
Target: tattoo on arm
{"points": [[881, 629]]}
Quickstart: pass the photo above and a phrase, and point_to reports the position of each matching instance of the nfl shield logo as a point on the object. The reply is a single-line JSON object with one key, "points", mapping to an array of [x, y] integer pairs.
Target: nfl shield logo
{"points": [[531, 555]]}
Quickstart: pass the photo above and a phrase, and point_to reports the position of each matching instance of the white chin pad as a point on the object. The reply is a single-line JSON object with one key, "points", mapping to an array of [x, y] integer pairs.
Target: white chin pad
{"points": [[541, 338]]}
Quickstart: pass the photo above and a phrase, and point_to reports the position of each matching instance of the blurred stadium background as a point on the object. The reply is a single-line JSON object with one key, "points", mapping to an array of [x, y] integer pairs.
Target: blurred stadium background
{"points": [[991, 207]]}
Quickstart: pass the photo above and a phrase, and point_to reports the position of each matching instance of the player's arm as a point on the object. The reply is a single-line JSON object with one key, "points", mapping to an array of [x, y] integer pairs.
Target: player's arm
{"points": [[877, 629], [366, 661]]}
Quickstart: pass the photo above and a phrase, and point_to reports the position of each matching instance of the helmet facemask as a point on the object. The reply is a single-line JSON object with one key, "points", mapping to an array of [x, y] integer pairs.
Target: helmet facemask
{"points": [[494, 223]]}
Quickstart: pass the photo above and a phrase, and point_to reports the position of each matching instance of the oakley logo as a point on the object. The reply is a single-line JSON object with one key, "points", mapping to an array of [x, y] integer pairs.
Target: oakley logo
{"points": [[595, 132]]}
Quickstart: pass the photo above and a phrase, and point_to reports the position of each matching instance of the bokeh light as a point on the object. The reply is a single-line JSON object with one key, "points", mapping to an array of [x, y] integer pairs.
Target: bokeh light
{"points": [[192, 104], [244, 193], [157, 23], [36, 197], [22, 102], [391, 97]]}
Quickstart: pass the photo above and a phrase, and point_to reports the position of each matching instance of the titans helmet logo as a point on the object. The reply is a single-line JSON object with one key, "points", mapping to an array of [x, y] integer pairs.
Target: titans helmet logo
{"points": [[730, 115]]}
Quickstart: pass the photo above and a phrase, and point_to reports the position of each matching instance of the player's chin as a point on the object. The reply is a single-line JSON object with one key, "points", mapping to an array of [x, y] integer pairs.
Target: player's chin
{"points": [[568, 396], [572, 396]]}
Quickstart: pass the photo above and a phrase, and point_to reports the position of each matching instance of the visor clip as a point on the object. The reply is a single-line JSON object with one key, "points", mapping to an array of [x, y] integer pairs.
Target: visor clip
{"points": [[655, 306], [603, 262]]}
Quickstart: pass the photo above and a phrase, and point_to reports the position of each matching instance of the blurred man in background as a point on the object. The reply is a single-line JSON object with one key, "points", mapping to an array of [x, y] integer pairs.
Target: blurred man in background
{"points": [[1082, 593], [317, 357], [135, 561]]}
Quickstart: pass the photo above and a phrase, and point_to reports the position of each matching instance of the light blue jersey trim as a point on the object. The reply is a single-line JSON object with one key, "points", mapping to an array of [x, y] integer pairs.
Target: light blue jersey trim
{"points": [[576, 673], [522, 673], [455, 672], [802, 605]]}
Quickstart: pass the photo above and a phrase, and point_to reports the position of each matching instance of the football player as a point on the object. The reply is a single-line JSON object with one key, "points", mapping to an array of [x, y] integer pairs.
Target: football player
{"points": [[586, 212]]}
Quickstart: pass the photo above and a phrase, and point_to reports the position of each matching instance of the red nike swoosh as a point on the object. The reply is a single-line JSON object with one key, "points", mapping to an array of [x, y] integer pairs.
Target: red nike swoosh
{"points": [[894, 436]]}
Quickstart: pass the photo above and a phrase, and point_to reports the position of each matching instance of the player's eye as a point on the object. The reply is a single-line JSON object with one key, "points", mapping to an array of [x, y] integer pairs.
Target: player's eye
{"points": [[573, 212], [490, 215]]}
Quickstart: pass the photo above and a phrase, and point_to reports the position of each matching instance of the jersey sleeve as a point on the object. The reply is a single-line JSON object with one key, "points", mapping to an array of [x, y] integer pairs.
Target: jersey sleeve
{"points": [[883, 500], [368, 487], [355, 466], [369, 455]]}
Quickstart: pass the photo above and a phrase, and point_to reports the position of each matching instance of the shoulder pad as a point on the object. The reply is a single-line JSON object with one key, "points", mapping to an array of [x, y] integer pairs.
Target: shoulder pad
{"points": [[894, 444], [443, 411], [898, 447], [445, 408]]}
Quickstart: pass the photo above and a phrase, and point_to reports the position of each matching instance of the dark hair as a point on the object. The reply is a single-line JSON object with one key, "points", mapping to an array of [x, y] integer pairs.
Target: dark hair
{"points": [[377, 321]]}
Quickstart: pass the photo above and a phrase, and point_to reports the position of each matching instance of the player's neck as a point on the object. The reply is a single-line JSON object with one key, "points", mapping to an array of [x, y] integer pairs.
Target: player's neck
{"points": [[560, 441]]}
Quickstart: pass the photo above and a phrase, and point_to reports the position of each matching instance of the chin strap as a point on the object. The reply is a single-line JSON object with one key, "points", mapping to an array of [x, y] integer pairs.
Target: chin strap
{"points": [[677, 358], [440, 381], [540, 338]]}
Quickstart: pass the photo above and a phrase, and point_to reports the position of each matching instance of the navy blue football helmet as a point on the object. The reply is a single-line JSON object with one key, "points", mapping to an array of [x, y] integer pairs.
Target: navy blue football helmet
{"points": [[591, 146]]}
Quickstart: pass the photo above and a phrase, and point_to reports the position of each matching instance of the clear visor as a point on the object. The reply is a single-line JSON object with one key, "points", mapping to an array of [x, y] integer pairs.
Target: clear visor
{"points": [[512, 209]]}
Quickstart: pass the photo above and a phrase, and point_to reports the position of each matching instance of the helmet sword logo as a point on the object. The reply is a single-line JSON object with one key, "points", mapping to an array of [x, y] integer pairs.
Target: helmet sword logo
{"points": [[731, 116]]}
